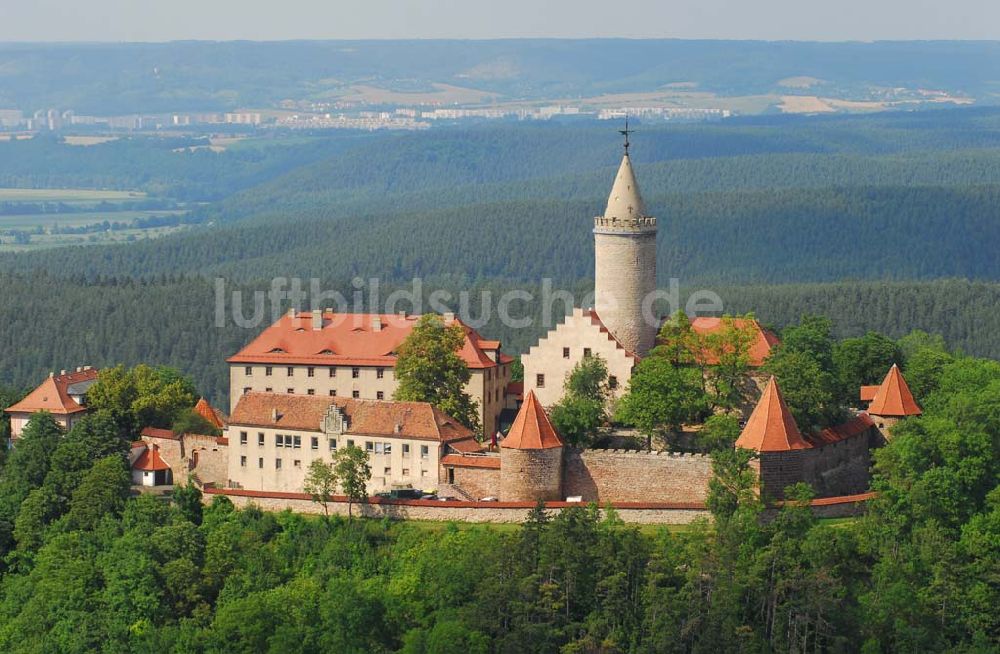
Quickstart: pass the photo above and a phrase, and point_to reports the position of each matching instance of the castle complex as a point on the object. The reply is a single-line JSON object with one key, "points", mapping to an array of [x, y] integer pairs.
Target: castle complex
{"points": [[317, 381]]}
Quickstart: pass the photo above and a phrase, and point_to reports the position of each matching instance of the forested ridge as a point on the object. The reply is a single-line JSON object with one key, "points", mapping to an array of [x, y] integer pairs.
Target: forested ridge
{"points": [[52, 323], [855, 217]]}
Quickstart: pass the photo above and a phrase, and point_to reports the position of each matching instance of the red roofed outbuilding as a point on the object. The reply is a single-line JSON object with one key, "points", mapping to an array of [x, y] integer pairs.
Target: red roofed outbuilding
{"points": [[63, 395], [771, 427], [891, 402]]}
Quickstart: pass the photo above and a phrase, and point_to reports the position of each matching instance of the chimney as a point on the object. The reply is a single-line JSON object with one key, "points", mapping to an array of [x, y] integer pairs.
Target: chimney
{"points": [[398, 428], [376, 323], [317, 320], [274, 415], [449, 317]]}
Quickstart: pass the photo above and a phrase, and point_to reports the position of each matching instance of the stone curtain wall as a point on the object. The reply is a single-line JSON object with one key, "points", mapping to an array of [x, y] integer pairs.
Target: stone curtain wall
{"points": [[842, 468], [631, 476], [478, 483], [212, 460]]}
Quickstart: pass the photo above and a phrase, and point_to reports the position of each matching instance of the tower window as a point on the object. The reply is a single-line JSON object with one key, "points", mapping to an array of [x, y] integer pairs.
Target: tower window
{"points": [[612, 382], [586, 351], [355, 372], [540, 381], [565, 352], [291, 371]]}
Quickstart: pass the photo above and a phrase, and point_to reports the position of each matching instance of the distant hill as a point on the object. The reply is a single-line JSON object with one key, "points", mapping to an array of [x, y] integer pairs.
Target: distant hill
{"points": [[191, 76]]}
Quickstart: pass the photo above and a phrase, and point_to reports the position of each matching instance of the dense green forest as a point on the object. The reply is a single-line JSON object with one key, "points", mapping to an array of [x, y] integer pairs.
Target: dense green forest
{"points": [[52, 323], [858, 218], [87, 568]]}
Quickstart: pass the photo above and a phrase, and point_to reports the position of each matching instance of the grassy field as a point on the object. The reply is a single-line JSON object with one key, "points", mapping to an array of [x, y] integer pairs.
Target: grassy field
{"points": [[47, 241], [76, 219], [67, 195]]}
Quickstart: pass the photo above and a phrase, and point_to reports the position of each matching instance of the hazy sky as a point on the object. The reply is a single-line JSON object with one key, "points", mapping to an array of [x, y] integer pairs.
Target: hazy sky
{"points": [[161, 20]]}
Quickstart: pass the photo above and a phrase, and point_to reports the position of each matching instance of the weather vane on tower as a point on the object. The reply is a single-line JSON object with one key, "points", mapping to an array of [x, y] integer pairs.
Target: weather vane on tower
{"points": [[626, 132]]}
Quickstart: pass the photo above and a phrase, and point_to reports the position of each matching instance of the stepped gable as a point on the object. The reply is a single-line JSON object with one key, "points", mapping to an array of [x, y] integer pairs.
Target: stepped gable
{"points": [[771, 427], [597, 322], [893, 397], [532, 429], [57, 393], [760, 348]]}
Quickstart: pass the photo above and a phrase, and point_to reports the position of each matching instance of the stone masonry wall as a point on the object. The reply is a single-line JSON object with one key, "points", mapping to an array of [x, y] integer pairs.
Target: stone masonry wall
{"points": [[841, 468], [630, 476], [531, 475], [478, 482]]}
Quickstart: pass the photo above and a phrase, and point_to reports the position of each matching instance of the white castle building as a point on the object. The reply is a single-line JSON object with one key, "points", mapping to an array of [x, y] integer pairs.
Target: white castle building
{"points": [[624, 278]]}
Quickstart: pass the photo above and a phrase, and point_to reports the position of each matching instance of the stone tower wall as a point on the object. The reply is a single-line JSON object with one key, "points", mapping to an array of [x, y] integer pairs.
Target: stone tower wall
{"points": [[625, 274], [531, 475]]}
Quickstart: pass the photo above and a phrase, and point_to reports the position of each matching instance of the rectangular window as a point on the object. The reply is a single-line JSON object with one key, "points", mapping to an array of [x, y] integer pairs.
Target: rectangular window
{"points": [[333, 372], [290, 391], [387, 448], [369, 446], [277, 464], [246, 390], [379, 395], [279, 440], [297, 463], [540, 381], [356, 394], [425, 451], [291, 371], [406, 449], [380, 373], [267, 371], [406, 472], [387, 471], [355, 372], [248, 370], [260, 462], [243, 462], [297, 442], [586, 352], [310, 371], [612, 382], [350, 443], [333, 444], [314, 443], [243, 438], [565, 352], [268, 390], [260, 438], [333, 392], [310, 391]]}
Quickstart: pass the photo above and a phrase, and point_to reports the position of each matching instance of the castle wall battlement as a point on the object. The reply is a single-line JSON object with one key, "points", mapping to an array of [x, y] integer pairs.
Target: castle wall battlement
{"points": [[636, 476]]}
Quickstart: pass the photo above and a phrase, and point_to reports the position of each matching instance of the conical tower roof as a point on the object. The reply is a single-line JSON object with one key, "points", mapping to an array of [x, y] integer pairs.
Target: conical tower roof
{"points": [[625, 200], [771, 427], [893, 397], [532, 429]]}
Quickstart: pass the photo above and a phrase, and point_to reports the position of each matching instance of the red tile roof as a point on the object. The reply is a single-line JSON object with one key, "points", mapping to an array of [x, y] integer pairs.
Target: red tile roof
{"points": [[156, 432], [352, 339], [54, 394], [459, 461], [212, 415], [894, 397], [856, 426], [771, 427], [867, 393], [417, 420], [466, 445], [532, 429], [515, 388], [760, 347], [150, 460]]}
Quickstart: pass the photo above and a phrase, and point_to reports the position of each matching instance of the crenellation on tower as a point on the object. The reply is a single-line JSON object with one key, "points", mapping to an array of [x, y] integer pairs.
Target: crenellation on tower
{"points": [[625, 262]]}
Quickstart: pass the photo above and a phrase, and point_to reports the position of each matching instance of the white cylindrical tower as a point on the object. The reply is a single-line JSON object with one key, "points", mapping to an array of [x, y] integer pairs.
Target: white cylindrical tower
{"points": [[625, 263]]}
